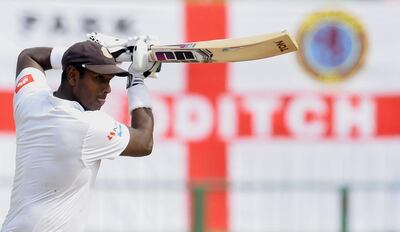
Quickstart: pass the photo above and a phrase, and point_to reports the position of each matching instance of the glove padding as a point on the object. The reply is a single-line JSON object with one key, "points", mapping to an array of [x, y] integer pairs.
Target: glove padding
{"points": [[140, 59], [134, 49]]}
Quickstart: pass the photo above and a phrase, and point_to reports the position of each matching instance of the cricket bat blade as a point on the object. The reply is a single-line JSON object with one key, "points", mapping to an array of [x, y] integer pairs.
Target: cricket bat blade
{"points": [[226, 50]]}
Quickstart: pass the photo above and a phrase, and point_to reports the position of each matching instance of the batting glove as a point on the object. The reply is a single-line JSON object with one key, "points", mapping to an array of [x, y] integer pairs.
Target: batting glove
{"points": [[134, 49], [117, 46]]}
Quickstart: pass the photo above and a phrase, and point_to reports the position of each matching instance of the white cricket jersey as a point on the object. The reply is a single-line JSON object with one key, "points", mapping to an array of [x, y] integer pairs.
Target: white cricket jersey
{"points": [[59, 149]]}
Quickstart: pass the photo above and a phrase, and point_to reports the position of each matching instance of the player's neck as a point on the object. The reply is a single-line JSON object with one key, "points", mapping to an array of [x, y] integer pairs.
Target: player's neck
{"points": [[64, 92]]}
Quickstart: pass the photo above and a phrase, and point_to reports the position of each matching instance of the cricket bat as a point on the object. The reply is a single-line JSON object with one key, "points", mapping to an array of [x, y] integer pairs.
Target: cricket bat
{"points": [[211, 51], [226, 50]]}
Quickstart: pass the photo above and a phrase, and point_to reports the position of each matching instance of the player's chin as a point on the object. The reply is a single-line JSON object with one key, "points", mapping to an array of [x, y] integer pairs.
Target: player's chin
{"points": [[96, 105]]}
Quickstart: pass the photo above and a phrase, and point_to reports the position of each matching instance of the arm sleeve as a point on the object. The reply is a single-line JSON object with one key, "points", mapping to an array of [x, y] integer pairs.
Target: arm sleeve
{"points": [[104, 139], [28, 82]]}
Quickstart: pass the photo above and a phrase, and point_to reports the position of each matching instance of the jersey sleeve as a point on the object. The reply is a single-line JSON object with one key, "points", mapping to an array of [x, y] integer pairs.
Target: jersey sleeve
{"points": [[105, 138], [28, 82]]}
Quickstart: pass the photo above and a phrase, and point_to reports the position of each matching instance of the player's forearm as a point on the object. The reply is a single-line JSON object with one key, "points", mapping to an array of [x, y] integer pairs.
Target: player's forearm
{"points": [[142, 118], [38, 57], [143, 121]]}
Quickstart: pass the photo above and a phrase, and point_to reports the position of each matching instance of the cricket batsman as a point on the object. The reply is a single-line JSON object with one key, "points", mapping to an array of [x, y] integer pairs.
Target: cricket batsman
{"points": [[62, 136]]}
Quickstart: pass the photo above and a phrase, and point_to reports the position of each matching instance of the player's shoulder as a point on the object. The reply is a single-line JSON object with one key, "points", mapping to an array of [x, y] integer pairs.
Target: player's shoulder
{"points": [[31, 92], [96, 117], [30, 71], [29, 81], [102, 125]]}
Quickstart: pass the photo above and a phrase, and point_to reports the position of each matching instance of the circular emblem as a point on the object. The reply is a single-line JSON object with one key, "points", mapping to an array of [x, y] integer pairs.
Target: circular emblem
{"points": [[332, 45], [106, 53]]}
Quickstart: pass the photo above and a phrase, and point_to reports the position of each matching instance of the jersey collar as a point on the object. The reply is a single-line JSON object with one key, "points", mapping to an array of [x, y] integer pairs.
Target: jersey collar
{"points": [[73, 104]]}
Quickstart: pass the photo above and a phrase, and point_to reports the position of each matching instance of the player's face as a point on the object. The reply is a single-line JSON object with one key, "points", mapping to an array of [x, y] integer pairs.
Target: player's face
{"points": [[92, 89]]}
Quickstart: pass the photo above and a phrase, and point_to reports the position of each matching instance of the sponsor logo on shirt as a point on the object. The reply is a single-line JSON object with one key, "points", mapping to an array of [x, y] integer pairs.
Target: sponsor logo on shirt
{"points": [[23, 81], [117, 130]]}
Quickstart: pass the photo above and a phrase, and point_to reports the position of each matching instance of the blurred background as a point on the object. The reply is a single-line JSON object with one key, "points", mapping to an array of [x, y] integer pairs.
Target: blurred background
{"points": [[305, 142]]}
